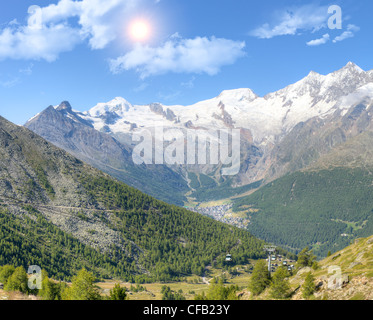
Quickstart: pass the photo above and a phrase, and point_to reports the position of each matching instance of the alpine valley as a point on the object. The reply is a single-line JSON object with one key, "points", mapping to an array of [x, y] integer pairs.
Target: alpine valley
{"points": [[306, 174]]}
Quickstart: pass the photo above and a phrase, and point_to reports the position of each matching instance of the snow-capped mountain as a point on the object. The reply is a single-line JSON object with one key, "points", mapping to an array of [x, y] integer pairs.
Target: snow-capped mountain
{"points": [[284, 131], [268, 118]]}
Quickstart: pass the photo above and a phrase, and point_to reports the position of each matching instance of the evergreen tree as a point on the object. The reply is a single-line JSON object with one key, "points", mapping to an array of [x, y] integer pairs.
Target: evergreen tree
{"points": [[82, 288], [306, 258], [18, 281], [280, 287], [309, 286], [217, 291], [259, 279], [118, 293], [168, 294], [50, 290], [5, 273]]}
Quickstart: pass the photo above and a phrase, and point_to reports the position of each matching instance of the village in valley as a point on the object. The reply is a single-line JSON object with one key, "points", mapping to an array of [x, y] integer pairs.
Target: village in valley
{"points": [[222, 213]]}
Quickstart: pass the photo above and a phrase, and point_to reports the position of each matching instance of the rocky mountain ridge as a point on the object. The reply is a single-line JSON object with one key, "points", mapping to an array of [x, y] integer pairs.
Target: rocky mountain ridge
{"points": [[282, 132]]}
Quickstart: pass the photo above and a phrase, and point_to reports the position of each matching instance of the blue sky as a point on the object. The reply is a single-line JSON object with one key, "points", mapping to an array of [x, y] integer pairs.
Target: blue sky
{"points": [[81, 50]]}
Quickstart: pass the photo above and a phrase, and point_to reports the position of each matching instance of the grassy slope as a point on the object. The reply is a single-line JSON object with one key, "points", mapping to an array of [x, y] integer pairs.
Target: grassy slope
{"points": [[356, 264]]}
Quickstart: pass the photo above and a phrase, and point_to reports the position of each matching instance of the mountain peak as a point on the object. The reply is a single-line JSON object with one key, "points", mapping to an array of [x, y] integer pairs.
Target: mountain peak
{"points": [[118, 105], [239, 94], [353, 67], [118, 100], [313, 74], [311, 77], [65, 105]]}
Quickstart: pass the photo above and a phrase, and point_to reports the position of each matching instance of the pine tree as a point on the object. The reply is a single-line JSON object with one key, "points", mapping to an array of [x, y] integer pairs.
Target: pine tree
{"points": [[280, 287], [82, 288], [50, 290], [306, 258], [260, 278], [309, 286], [218, 292], [168, 294], [18, 281], [118, 293], [5, 273]]}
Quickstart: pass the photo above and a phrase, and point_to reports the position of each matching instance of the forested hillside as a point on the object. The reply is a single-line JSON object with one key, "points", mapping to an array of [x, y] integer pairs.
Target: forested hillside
{"points": [[62, 214], [325, 209]]}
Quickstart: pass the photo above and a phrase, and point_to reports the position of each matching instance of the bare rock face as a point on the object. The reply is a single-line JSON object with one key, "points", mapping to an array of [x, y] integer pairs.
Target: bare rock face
{"points": [[225, 117], [170, 115], [64, 106], [157, 109]]}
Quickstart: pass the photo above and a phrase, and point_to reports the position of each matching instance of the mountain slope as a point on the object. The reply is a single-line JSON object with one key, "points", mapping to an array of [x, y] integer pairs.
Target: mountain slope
{"points": [[356, 263], [62, 214], [68, 130], [330, 197], [323, 209], [357, 152], [317, 137], [345, 275]]}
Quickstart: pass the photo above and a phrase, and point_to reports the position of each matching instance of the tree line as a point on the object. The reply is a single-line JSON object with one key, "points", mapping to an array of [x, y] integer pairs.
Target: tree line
{"points": [[83, 286]]}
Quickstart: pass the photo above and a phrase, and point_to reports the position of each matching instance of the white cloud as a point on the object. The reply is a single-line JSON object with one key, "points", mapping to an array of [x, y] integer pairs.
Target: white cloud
{"points": [[307, 18], [141, 87], [10, 83], [293, 21], [28, 70], [60, 27], [325, 38], [169, 96], [199, 55], [349, 33], [97, 18], [36, 44], [189, 84]]}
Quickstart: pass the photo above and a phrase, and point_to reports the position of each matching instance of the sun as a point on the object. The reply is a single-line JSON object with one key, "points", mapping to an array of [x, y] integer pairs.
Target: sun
{"points": [[139, 30]]}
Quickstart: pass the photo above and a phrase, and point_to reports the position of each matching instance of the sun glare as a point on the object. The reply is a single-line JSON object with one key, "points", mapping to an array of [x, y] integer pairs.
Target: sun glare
{"points": [[139, 30]]}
